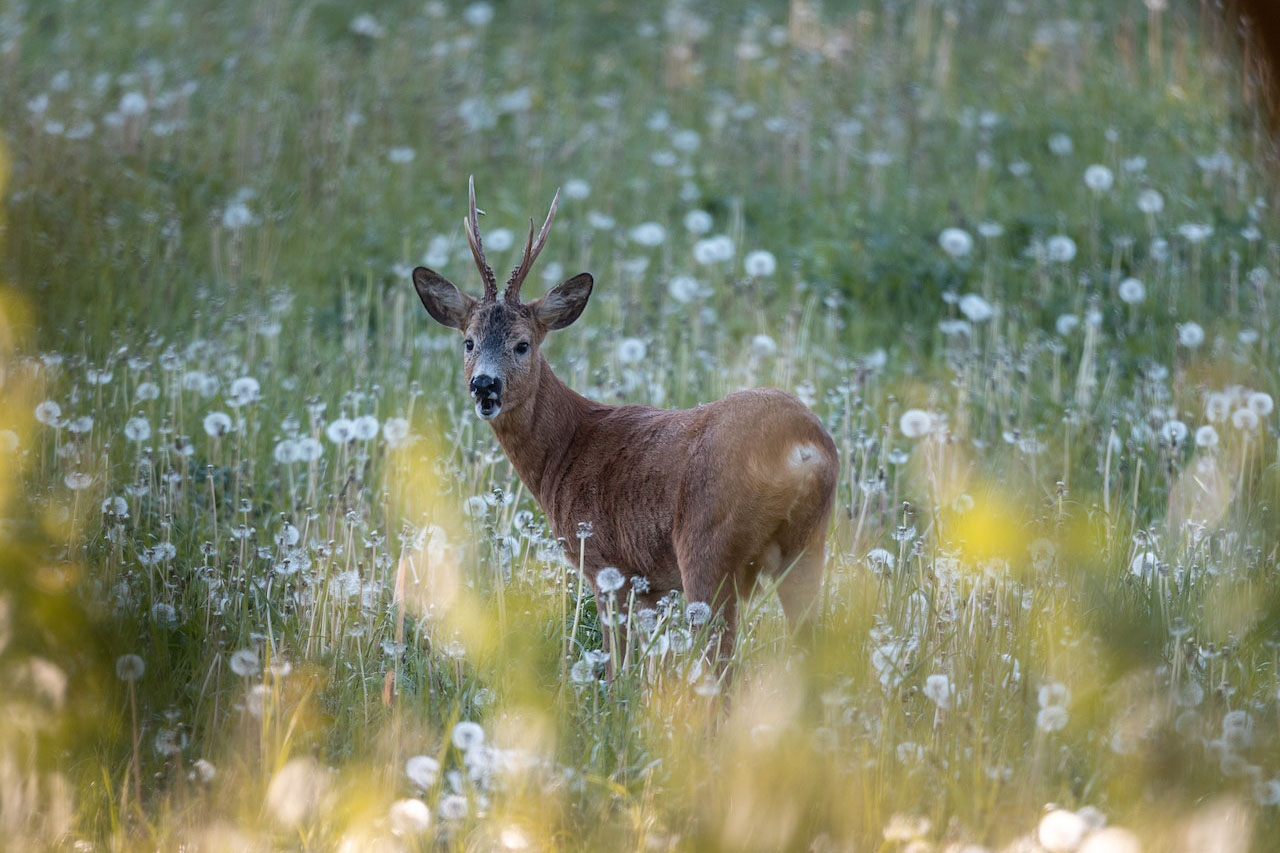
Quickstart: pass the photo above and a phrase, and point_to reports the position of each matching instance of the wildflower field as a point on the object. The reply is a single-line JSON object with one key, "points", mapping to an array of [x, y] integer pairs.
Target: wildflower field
{"points": [[267, 582]]}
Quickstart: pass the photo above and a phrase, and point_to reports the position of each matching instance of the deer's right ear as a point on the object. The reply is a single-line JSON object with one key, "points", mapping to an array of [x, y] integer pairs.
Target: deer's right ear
{"points": [[564, 303], [443, 301]]}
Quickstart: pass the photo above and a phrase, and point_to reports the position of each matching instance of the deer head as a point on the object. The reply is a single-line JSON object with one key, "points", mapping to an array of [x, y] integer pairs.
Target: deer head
{"points": [[502, 336]]}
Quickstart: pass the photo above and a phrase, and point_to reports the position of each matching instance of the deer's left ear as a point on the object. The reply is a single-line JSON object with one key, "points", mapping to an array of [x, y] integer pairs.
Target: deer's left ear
{"points": [[443, 301], [564, 303]]}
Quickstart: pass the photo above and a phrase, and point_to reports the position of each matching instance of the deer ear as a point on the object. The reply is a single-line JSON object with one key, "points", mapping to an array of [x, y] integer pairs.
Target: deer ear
{"points": [[564, 303], [443, 301]]}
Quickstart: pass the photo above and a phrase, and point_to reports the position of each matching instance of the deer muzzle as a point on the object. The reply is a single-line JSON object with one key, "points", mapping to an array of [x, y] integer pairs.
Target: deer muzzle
{"points": [[487, 392]]}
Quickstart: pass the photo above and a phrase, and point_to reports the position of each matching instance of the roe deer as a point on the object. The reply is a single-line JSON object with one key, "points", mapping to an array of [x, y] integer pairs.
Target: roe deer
{"points": [[704, 500]]}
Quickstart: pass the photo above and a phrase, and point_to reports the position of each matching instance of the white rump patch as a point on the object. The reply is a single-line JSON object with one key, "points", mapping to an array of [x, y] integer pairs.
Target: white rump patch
{"points": [[802, 455]]}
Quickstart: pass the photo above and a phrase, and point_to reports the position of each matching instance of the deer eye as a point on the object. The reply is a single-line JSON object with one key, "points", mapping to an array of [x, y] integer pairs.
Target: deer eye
{"points": [[469, 344], [522, 348]]}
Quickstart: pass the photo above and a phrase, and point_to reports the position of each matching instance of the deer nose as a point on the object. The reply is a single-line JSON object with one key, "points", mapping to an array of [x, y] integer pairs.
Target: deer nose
{"points": [[486, 387]]}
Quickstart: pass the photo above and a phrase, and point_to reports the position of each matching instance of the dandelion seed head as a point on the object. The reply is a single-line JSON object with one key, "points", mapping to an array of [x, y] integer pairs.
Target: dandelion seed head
{"points": [[937, 688], [631, 350], [1060, 249], [683, 288], [1131, 291], [1061, 831], [137, 429], [1206, 437], [130, 667], [48, 412], [697, 613], [218, 424], [409, 817], [698, 222], [1260, 403], [467, 735], [956, 242], [609, 580], [648, 234], [422, 770], [763, 346], [1190, 335], [915, 423], [244, 662], [759, 264], [1245, 420], [975, 308], [1098, 178]]}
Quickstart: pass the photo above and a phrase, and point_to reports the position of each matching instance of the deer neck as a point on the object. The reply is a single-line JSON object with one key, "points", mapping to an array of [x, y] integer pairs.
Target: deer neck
{"points": [[537, 433]]}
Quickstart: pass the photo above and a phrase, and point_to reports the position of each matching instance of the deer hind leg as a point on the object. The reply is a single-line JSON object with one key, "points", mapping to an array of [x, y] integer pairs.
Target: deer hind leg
{"points": [[713, 568], [801, 582]]}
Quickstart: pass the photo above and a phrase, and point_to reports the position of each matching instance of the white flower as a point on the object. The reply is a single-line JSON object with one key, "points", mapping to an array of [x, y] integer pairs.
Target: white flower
{"points": [[1061, 831], [237, 215], [697, 612], [1113, 839], [1098, 178], [1260, 403], [409, 817], [1061, 144], [1132, 291], [400, 155], [1053, 694], [698, 222], [453, 807], [1206, 437], [1245, 420], [1217, 406], [712, 250], [286, 451], [576, 188], [48, 413], [309, 449], [297, 790], [1060, 248], [938, 688], [1174, 432], [1190, 335], [80, 425], [956, 242], [760, 263], [977, 309], [609, 579], [340, 430], [631, 350], [467, 735], [116, 506], [648, 234], [683, 288], [422, 770], [499, 239], [1143, 565], [395, 431], [77, 480], [1052, 719], [367, 25], [1066, 324], [990, 230], [137, 429], [365, 427], [147, 391], [244, 662], [217, 424], [130, 667], [880, 560], [600, 221], [1150, 202], [763, 346], [243, 391], [1195, 232], [915, 423], [478, 14], [133, 104]]}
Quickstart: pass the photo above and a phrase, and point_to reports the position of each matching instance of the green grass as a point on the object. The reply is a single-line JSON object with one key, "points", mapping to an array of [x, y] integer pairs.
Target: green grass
{"points": [[424, 589]]}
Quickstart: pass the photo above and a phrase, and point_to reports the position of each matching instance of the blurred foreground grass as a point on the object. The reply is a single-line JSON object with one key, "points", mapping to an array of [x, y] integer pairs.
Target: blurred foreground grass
{"points": [[267, 583]]}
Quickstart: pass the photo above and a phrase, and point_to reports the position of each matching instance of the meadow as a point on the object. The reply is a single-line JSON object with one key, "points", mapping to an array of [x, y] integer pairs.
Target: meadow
{"points": [[267, 582]]}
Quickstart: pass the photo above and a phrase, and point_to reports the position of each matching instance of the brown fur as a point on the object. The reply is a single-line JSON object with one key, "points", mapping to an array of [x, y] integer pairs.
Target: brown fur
{"points": [[704, 500]]}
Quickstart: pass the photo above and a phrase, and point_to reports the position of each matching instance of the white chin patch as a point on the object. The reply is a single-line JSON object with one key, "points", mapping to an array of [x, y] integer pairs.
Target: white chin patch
{"points": [[487, 414]]}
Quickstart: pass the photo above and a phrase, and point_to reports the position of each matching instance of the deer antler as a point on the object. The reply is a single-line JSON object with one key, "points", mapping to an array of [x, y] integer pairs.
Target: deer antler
{"points": [[531, 250], [472, 226]]}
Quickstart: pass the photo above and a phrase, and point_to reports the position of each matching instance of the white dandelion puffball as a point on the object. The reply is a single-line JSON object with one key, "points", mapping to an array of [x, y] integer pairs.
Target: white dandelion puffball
{"points": [[880, 560], [763, 346], [298, 790], [1061, 830], [130, 667], [648, 234], [237, 215], [309, 449], [395, 431], [1174, 432], [975, 308], [760, 263], [713, 250], [956, 242], [609, 579], [401, 154], [698, 222], [1207, 437], [1217, 406], [1053, 693], [1113, 839], [1131, 291], [683, 288], [1190, 335], [1150, 202], [938, 688], [467, 735], [286, 451], [244, 662], [915, 423], [367, 25], [478, 14], [1052, 719], [217, 424], [697, 612], [133, 104], [78, 480], [137, 429], [340, 430], [576, 188], [453, 807], [1260, 403], [1245, 420], [409, 817], [499, 239], [48, 413], [1066, 324], [116, 506], [422, 770], [1061, 248], [1098, 178], [365, 427], [631, 350], [147, 391], [1061, 144], [1195, 232]]}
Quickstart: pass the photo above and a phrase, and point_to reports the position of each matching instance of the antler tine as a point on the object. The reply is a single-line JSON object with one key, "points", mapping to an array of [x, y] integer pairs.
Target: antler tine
{"points": [[472, 226], [531, 250]]}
